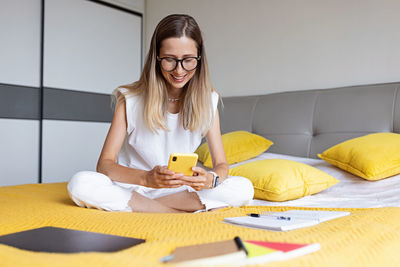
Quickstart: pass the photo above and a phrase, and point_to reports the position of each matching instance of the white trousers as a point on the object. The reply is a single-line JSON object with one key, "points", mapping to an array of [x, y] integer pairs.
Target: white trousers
{"points": [[96, 190]]}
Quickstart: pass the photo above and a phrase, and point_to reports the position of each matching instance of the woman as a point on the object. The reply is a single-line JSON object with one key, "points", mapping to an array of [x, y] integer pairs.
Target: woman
{"points": [[169, 110]]}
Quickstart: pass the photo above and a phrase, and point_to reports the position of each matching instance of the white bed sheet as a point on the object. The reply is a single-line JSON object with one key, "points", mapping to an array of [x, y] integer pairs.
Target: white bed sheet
{"points": [[350, 192]]}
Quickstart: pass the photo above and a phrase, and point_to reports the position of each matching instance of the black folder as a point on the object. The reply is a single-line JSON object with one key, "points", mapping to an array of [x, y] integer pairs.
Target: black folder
{"points": [[62, 240]]}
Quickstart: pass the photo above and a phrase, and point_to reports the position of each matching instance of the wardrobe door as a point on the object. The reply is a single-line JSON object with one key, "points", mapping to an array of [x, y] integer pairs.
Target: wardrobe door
{"points": [[20, 42], [19, 157], [19, 91], [89, 49], [69, 147]]}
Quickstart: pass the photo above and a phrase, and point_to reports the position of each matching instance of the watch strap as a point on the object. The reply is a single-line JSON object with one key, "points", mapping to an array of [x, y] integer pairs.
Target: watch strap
{"points": [[215, 180]]}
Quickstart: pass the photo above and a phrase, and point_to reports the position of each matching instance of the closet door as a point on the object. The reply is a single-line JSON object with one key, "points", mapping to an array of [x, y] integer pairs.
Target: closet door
{"points": [[89, 49], [19, 91]]}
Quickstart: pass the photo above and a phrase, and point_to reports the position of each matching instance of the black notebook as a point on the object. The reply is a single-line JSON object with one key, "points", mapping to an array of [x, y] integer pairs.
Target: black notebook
{"points": [[61, 240]]}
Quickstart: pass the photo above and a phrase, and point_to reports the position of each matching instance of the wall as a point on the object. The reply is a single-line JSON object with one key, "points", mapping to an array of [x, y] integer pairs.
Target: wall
{"points": [[59, 62], [136, 5], [265, 46]]}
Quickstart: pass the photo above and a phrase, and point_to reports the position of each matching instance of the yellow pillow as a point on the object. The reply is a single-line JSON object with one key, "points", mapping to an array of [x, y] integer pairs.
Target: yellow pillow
{"points": [[282, 179], [372, 157], [239, 146]]}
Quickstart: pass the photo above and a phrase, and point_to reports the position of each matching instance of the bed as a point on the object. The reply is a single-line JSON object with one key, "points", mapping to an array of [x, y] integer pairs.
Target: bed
{"points": [[301, 124]]}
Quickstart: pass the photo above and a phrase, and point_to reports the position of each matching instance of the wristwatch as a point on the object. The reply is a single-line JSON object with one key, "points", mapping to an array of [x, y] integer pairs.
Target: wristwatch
{"points": [[216, 179]]}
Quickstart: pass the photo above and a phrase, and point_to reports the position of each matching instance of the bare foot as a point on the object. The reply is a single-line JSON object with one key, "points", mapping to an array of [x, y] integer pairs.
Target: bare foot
{"points": [[140, 203], [186, 201]]}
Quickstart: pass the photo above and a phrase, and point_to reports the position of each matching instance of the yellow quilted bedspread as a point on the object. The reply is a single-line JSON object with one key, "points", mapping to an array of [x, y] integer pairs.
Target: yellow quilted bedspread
{"points": [[368, 237]]}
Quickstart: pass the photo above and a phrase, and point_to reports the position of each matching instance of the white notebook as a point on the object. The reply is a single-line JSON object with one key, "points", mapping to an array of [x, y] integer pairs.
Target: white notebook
{"points": [[287, 220], [319, 215]]}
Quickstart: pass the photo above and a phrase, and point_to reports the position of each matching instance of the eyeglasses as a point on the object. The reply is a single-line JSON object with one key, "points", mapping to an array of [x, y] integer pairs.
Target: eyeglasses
{"points": [[170, 63]]}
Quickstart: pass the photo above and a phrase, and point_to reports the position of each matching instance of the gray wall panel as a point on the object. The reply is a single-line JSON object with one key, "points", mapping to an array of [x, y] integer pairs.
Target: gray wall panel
{"points": [[73, 105], [19, 102]]}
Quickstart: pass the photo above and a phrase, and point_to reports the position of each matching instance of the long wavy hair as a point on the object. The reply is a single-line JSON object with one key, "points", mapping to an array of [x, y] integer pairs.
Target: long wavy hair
{"points": [[196, 106]]}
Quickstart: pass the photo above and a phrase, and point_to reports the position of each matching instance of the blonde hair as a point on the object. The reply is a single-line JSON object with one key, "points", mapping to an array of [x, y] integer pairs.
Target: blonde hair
{"points": [[196, 106]]}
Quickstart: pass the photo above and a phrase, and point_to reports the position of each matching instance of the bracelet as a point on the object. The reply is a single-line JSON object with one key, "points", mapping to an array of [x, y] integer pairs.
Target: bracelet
{"points": [[215, 181]]}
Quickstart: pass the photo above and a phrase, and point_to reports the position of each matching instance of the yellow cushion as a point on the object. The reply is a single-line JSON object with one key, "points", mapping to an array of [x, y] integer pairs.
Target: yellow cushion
{"points": [[239, 146], [372, 157], [281, 179]]}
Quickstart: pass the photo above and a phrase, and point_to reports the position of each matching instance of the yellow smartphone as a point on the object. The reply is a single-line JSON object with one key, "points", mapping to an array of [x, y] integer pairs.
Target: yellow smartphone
{"points": [[182, 163]]}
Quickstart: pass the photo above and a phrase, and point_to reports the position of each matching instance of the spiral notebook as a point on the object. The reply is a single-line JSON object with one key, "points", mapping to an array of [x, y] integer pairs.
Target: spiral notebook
{"points": [[287, 220]]}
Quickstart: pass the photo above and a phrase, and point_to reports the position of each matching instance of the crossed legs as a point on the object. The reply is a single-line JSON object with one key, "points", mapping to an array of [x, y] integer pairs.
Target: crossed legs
{"points": [[178, 202], [95, 190]]}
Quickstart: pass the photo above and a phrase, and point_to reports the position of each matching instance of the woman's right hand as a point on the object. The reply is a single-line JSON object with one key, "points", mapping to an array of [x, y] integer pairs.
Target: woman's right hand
{"points": [[161, 177]]}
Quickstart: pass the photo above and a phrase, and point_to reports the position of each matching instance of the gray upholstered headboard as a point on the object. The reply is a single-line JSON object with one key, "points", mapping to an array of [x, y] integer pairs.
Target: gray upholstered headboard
{"points": [[305, 123]]}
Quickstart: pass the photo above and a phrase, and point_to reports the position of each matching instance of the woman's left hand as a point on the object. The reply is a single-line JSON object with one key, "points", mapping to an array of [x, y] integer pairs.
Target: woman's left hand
{"points": [[200, 180]]}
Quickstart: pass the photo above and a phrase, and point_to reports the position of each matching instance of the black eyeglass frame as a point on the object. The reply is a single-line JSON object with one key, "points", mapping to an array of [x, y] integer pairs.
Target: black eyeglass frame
{"points": [[178, 61]]}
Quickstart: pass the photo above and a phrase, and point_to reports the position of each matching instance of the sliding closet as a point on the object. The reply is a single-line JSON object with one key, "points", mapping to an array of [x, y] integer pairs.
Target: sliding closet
{"points": [[60, 61]]}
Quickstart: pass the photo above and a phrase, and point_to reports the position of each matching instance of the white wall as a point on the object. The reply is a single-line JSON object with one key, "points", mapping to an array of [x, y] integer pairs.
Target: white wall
{"points": [[265, 46]]}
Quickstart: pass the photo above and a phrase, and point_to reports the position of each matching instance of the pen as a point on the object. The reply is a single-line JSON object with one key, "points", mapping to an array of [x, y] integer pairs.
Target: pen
{"points": [[277, 217], [254, 215], [240, 244]]}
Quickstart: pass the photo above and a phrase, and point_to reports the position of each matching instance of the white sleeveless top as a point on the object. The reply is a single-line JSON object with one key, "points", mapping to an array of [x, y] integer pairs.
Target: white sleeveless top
{"points": [[143, 149]]}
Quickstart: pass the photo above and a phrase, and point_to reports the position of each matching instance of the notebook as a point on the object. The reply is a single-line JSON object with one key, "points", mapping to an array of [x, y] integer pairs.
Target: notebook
{"points": [[61, 240], [258, 254], [319, 215], [287, 220], [261, 252], [289, 250], [229, 253], [215, 253]]}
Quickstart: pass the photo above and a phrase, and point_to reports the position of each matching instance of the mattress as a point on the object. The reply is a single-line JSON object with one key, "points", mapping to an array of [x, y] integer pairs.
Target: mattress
{"points": [[350, 192], [369, 236]]}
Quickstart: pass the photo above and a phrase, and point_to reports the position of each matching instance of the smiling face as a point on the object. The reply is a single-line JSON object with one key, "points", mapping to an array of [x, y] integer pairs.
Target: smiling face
{"points": [[178, 48]]}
